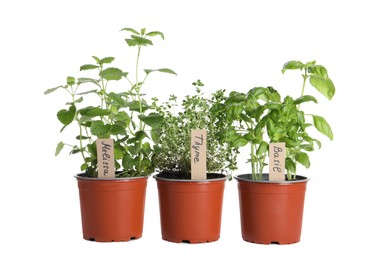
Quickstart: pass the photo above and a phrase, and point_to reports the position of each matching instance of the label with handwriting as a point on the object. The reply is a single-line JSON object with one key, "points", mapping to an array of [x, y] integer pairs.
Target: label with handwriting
{"points": [[198, 154], [106, 161], [277, 155]]}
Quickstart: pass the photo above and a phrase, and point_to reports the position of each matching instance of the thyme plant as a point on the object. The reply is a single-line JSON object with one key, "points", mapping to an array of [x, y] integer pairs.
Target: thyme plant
{"points": [[173, 136]]}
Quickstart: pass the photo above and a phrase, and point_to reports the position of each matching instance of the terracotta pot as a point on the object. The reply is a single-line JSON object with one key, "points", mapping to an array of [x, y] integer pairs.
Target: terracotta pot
{"points": [[190, 211], [112, 209], [271, 212]]}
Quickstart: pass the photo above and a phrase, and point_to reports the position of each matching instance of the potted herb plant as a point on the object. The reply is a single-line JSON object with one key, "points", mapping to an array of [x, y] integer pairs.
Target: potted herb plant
{"points": [[190, 210], [112, 209], [271, 212]]}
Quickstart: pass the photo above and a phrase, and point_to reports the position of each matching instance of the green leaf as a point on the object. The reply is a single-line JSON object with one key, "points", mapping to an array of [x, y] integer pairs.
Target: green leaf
{"points": [[324, 85], [263, 148], [118, 152], [50, 90], [87, 80], [307, 147], [130, 30], [166, 70], [290, 165], [152, 120], [256, 92], [93, 111], [123, 117], [96, 59], [138, 136], [107, 60], [239, 142], [318, 143], [155, 33], [87, 92], [88, 67], [292, 65], [134, 106], [70, 81], [117, 99], [323, 126], [79, 100], [234, 110], [82, 137], [305, 98], [99, 129], [84, 166], [141, 41], [66, 116], [112, 74], [117, 129], [59, 147], [318, 70], [303, 159]]}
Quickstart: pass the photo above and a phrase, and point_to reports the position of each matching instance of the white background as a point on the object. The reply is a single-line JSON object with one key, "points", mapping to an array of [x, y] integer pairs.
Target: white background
{"points": [[234, 45]]}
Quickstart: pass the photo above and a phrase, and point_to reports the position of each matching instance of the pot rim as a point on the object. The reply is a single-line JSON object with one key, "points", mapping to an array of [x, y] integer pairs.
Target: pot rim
{"points": [[80, 177], [240, 178], [188, 181]]}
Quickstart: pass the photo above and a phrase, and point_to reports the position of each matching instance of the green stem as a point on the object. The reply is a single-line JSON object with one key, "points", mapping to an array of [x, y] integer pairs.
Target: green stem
{"points": [[303, 85]]}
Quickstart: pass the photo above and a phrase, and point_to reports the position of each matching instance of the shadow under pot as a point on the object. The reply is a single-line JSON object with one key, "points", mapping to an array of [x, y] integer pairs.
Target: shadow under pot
{"points": [[271, 212], [112, 210], [191, 210]]}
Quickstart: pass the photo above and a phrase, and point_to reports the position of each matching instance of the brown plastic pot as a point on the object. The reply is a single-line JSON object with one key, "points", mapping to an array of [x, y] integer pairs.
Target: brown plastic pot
{"points": [[112, 209], [271, 212], [190, 210]]}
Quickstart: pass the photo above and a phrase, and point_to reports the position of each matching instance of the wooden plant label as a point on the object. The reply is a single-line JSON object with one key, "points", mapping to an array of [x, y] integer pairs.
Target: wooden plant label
{"points": [[198, 154], [106, 161], [277, 155]]}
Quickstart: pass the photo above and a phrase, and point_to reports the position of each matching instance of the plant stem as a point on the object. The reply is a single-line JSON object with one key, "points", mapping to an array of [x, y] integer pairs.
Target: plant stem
{"points": [[303, 85]]}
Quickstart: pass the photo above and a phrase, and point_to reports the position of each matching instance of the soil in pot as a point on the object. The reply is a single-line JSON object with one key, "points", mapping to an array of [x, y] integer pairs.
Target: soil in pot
{"points": [[112, 209], [271, 212], [191, 211]]}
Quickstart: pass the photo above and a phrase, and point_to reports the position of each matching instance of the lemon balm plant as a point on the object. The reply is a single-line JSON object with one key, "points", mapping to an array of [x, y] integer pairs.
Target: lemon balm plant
{"points": [[123, 116], [112, 209]]}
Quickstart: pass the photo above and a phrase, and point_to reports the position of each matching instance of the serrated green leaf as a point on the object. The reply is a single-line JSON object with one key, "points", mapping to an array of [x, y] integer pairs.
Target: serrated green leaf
{"points": [[153, 119], [324, 85], [141, 40], [118, 152], [59, 148], [79, 100], [70, 81], [87, 80], [66, 116], [117, 99], [88, 67], [292, 65], [131, 42], [99, 129], [96, 59], [123, 117], [134, 106], [130, 30], [93, 111], [305, 98], [303, 159], [118, 129], [107, 60], [322, 126], [112, 74], [155, 33], [50, 90]]}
